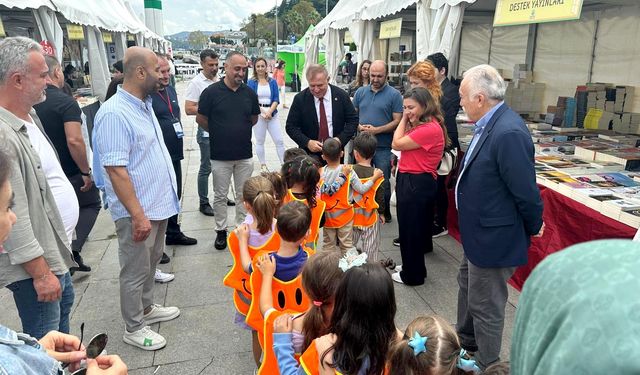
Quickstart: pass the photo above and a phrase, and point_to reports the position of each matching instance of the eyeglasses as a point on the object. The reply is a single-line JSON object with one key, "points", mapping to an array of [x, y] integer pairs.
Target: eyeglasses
{"points": [[376, 75], [95, 347]]}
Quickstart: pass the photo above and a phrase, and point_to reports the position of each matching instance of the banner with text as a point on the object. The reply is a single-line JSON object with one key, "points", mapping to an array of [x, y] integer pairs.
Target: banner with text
{"points": [[519, 12], [75, 32], [390, 29]]}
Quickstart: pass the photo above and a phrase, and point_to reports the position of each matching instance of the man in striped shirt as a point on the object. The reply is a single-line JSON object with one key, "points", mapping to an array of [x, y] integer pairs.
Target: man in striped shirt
{"points": [[141, 192]]}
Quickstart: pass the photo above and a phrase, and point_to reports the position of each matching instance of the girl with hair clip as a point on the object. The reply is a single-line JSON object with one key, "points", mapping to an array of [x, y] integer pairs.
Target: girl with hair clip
{"points": [[279, 187], [361, 329], [430, 346], [301, 175]]}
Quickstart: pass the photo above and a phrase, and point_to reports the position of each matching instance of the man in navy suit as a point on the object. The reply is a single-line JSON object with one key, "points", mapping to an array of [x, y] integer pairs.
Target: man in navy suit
{"points": [[499, 209], [319, 112]]}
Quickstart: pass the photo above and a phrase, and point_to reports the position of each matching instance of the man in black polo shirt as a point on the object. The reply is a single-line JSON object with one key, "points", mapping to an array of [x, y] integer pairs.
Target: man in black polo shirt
{"points": [[167, 111], [61, 119], [228, 109]]}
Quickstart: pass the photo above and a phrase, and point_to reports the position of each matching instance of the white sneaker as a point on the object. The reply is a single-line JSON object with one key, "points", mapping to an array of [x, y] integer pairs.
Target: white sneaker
{"points": [[162, 277], [444, 232], [396, 277], [145, 339], [398, 268], [161, 314]]}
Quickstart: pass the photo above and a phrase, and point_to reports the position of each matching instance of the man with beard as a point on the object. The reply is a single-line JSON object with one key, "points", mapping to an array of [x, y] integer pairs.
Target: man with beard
{"points": [[228, 109], [141, 192]]}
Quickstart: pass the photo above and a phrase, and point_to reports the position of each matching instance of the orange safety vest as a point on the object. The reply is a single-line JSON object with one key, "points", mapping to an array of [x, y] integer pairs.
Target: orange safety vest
{"points": [[365, 205], [269, 365], [310, 360], [287, 295], [237, 279], [339, 210], [316, 217]]}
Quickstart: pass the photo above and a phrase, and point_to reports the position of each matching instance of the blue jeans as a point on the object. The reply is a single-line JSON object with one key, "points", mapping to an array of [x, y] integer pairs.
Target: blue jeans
{"points": [[38, 318], [382, 160], [205, 167]]}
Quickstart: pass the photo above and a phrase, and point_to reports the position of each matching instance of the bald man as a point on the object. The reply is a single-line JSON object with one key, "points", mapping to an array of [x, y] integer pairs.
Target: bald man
{"points": [[379, 109], [141, 191]]}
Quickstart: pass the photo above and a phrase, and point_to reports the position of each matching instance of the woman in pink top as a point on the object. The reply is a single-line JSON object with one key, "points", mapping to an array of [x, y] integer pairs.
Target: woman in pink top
{"points": [[422, 137], [278, 74]]}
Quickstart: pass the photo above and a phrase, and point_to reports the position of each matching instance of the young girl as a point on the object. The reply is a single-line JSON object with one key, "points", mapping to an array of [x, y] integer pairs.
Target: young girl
{"points": [[429, 346], [268, 98], [422, 138], [279, 187], [361, 329], [320, 278]]}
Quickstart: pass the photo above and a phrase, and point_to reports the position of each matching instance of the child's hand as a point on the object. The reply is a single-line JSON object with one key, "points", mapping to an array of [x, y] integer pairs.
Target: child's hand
{"points": [[346, 169], [377, 174], [242, 231], [266, 265], [381, 219], [283, 324]]}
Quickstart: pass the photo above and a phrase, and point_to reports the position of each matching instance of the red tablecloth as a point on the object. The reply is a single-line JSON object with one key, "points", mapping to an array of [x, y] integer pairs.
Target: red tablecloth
{"points": [[567, 223]]}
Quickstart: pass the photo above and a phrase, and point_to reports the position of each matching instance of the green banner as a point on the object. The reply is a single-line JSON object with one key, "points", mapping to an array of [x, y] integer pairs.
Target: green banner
{"points": [[153, 4]]}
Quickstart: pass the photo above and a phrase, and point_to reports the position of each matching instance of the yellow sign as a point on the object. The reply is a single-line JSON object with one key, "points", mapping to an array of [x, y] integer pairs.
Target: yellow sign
{"points": [[131, 38], [2, 33], [348, 39], [520, 12], [107, 38], [391, 29], [75, 32]]}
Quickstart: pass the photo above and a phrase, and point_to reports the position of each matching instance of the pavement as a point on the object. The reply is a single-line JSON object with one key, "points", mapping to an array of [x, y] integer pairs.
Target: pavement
{"points": [[204, 339]]}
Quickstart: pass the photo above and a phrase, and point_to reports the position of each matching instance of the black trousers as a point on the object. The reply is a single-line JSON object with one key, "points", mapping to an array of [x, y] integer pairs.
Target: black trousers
{"points": [[89, 202], [415, 194], [442, 202], [173, 228]]}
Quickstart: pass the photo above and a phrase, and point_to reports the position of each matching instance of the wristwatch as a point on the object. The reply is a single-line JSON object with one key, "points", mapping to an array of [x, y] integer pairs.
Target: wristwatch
{"points": [[88, 174]]}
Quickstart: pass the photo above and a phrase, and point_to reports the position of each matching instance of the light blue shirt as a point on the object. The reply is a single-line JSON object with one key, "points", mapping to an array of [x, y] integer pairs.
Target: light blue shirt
{"points": [[127, 134], [21, 354], [479, 129]]}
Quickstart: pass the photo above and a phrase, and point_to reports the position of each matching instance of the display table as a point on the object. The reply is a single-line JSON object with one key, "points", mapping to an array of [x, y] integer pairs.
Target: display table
{"points": [[567, 223]]}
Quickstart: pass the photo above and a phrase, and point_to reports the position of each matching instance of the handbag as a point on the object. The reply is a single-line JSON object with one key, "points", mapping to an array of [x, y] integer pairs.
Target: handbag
{"points": [[448, 161]]}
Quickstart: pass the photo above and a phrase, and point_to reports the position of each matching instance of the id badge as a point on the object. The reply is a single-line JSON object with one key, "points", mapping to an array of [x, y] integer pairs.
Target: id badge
{"points": [[177, 126]]}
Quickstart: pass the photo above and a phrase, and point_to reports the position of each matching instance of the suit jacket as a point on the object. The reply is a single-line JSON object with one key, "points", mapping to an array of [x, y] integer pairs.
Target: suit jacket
{"points": [[499, 204], [450, 105], [302, 122]]}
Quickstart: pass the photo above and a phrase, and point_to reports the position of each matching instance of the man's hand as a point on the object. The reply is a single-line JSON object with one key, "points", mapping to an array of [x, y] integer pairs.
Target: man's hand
{"points": [[106, 365], [47, 287], [362, 127], [370, 129], [541, 232], [64, 348], [266, 265], [377, 173], [314, 146], [140, 227], [87, 183], [283, 324]]}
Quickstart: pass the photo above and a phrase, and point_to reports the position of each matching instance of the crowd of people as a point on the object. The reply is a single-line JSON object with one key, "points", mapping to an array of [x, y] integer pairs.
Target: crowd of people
{"points": [[314, 305]]}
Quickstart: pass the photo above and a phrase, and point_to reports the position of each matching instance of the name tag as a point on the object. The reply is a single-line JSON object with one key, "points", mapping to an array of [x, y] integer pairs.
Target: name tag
{"points": [[177, 126]]}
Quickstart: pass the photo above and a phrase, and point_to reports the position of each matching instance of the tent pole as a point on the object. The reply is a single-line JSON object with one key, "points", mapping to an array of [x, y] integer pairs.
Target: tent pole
{"points": [[593, 48]]}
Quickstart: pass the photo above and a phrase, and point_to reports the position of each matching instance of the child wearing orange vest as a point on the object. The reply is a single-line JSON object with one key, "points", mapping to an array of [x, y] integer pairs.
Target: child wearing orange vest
{"points": [[337, 182]]}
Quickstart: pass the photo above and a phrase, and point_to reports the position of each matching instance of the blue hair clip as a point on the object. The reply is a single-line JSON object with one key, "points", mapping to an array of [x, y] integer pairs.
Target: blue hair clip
{"points": [[418, 343], [467, 364]]}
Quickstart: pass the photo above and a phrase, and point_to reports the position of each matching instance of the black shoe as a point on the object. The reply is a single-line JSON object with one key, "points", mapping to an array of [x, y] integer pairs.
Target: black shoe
{"points": [[230, 203], [396, 242], [180, 239], [471, 349], [438, 231], [81, 266], [206, 209], [165, 259], [387, 217], [221, 240]]}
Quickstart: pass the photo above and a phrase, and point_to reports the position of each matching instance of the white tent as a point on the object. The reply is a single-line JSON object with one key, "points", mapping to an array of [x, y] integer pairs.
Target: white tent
{"points": [[438, 23]]}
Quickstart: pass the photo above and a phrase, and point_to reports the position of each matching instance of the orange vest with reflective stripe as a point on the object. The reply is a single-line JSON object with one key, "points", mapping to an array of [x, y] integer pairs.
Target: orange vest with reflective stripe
{"points": [[287, 295], [316, 217], [365, 205], [238, 279], [310, 360], [339, 210], [269, 365]]}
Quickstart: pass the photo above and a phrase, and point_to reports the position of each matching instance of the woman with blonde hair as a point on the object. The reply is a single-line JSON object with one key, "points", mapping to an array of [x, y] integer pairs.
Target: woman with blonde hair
{"points": [[423, 74]]}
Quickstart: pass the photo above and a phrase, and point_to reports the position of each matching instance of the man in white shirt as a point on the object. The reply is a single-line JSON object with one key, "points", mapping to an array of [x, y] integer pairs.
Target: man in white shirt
{"points": [[208, 75]]}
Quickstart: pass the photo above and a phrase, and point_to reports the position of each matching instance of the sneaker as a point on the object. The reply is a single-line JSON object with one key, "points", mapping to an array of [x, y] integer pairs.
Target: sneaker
{"points": [[180, 239], [145, 339], [230, 203], [439, 232], [221, 240], [81, 266], [396, 242], [398, 268], [161, 314], [206, 209], [165, 259], [162, 277], [396, 277]]}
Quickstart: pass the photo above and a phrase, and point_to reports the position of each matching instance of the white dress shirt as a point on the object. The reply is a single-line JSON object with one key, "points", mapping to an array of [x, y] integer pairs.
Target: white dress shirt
{"points": [[327, 108]]}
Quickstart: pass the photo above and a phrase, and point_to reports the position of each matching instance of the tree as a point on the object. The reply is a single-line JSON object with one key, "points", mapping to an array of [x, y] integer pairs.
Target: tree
{"points": [[265, 28], [197, 39], [300, 17]]}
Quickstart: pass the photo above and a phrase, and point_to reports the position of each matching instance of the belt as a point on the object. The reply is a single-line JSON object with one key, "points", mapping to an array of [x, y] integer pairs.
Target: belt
{"points": [[265, 105]]}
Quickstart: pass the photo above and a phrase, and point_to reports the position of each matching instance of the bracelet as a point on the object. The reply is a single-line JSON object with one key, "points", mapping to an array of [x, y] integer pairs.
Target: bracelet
{"points": [[88, 174], [44, 276]]}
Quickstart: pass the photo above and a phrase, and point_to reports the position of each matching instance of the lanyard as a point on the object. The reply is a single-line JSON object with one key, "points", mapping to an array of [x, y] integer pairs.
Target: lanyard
{"points": [[168, 101]]}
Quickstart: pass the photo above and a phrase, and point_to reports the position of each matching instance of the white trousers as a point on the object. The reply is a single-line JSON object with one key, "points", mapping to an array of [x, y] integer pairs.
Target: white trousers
{"points": [[260, 131]]}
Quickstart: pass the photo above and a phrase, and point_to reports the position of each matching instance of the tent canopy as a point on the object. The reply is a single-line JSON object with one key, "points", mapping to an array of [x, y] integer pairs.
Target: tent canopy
{"points": [[28, 4]]}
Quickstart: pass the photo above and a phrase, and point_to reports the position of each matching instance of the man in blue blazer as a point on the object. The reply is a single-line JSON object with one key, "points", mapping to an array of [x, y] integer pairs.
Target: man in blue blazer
{"points": [[499, 209]]}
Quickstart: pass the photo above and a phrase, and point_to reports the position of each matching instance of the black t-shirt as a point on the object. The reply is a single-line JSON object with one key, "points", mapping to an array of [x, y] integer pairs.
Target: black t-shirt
{"points": [[167, 115], [229, 115], [53, 113]]}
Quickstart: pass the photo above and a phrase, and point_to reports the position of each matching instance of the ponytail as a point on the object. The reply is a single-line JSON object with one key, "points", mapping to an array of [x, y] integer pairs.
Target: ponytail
{"points": [[264, 209]]}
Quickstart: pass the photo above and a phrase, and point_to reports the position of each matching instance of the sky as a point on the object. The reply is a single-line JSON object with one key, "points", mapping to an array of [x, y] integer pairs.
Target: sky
{"points": [[210, 15]]}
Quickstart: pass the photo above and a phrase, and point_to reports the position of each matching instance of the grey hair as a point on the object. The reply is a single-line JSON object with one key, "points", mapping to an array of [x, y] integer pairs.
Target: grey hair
{"points": [[14, 55], [314, 69], [485, 79]]}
